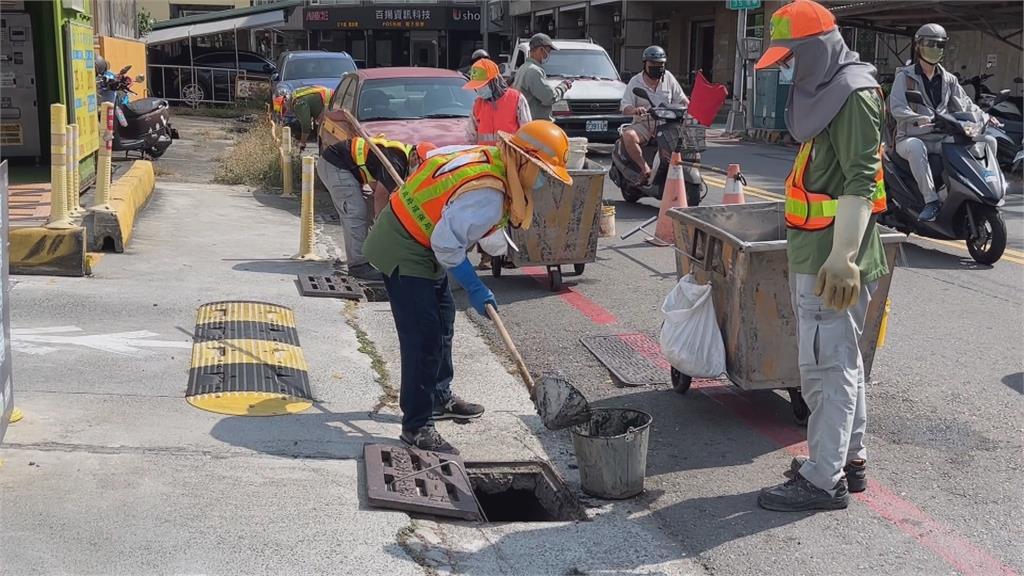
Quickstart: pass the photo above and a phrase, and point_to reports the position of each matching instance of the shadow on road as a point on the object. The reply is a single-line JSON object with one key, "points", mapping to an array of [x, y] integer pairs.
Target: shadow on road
{"points": [[285, 266], [916, 256], [1015, 382]]}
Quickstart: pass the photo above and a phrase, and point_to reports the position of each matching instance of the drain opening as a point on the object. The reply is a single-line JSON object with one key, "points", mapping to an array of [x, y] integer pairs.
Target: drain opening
{"points": [[522, 492], [375, 292]]}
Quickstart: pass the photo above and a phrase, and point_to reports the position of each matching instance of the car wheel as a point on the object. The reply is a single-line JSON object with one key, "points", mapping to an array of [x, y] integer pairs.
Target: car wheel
{"points": [[193, 93]]}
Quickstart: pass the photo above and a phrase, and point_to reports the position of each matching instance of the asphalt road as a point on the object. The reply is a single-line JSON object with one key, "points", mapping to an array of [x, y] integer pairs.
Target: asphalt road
{"points": [[944, 407]]}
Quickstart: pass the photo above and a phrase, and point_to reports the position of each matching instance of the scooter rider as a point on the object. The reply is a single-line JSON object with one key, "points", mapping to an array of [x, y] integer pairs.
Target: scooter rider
{"points": [[663, 88], [942, 93], [834, 250]]}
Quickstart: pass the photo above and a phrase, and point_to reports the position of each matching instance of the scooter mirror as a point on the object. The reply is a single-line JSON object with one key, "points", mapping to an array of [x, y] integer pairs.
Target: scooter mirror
{"points": [[140, 78], [641, 93], [125, 69], [1018, 80]]}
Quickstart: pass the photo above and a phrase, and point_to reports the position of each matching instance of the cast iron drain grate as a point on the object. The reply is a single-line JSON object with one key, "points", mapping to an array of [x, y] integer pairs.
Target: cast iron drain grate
{"points": [[634, 359], [441, 491], [330, 287], [527, 491]]}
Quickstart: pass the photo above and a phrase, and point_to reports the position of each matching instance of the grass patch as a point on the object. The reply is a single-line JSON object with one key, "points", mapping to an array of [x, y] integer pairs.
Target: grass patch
{"points": [[255, 161], [246, 108], [389, 395]]}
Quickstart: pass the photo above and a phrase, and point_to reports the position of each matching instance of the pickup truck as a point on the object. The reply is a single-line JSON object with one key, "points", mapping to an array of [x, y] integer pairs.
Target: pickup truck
{"points": [[591, 107]]}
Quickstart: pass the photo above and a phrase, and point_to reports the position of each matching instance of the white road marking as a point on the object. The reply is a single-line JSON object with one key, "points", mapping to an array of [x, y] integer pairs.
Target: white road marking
{"points": [[40, 341]]}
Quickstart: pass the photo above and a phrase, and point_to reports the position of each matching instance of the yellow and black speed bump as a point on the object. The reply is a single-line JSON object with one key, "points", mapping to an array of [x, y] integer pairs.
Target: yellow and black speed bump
{"points": [[246, 361]]}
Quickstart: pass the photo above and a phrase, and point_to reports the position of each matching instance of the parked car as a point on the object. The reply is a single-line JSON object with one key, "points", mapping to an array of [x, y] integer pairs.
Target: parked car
{"points": [[409, 104], [307, 68], [590, 108], [209, 82]]}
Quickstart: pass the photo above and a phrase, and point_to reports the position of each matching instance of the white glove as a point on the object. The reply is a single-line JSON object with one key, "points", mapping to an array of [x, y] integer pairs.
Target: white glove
{"points": [[838, 283]]}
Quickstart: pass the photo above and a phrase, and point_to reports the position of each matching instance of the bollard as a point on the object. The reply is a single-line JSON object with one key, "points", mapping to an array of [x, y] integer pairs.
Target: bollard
{"points": [[103, 164], [286, 161], [69, 168], [306, 234], [58, 169], [74, 209]]}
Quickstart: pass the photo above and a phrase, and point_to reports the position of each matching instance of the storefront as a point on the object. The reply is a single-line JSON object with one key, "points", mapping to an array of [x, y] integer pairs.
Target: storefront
{"points": [[397, 35]]}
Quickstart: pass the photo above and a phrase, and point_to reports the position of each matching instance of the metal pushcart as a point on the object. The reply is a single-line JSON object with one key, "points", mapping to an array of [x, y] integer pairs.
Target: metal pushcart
{"points": [[564, 229], [741, 250]]}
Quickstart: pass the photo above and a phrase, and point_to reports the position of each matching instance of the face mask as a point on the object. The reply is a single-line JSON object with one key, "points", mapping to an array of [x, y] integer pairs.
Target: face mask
{"points": [[485, 93], [931, 51], [786, 70], [656, 72]]}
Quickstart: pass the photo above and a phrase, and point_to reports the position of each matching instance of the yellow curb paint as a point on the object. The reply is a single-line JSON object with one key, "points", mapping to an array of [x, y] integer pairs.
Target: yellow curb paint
{"points": [[250, 403], [223, 352]]}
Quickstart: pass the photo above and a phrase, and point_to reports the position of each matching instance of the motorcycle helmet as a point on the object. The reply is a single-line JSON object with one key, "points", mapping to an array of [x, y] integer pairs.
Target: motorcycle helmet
{"points": [[655, 54], [101, 66], [479, 54], [930, 41]]}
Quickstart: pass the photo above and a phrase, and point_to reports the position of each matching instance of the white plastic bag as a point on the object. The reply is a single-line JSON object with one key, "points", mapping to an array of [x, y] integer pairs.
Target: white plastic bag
{"points": [[495, 243], [690, 338]]}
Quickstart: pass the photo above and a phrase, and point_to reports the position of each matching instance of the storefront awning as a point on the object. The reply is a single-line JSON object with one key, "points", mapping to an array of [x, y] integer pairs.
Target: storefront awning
{"points": [[254, 17], [1000, 19]]}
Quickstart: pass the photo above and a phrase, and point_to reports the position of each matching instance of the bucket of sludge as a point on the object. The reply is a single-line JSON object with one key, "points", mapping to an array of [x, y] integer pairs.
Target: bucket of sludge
{"points": [[611, 449]]}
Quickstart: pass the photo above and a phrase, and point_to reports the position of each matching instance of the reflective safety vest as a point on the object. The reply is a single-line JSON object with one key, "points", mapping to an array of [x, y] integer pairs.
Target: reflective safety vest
{"points": [[419, 202], [812, 211], [325, 93], [493, 116], [361, 152]]}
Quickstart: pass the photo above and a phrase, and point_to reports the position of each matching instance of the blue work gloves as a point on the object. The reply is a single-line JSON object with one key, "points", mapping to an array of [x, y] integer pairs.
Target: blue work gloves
{"points": [[479, 295]]}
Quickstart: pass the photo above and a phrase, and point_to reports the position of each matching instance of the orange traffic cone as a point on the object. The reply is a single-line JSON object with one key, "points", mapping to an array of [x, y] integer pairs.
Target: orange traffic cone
{"points": [[734, 183], [672, 196]]}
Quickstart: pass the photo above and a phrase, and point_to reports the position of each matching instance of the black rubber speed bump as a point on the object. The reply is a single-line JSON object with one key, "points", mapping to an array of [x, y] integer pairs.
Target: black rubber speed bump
{"points": [[330, 287], [634, 359], [436, 483], [247, 361]]}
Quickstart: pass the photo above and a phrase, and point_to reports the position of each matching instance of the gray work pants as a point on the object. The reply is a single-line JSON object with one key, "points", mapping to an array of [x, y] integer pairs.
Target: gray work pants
{"points": [[831, 380], [347, 195], [916, 150]]}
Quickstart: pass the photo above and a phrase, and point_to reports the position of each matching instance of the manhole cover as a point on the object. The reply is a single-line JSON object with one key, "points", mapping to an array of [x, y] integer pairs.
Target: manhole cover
{"points": [[634, 359], [439, 488], [330, 287]]}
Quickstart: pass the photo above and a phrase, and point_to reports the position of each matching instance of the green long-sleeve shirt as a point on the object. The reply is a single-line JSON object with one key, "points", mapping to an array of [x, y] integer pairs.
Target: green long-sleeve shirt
{"points": [[844, 162], [531, 82]]}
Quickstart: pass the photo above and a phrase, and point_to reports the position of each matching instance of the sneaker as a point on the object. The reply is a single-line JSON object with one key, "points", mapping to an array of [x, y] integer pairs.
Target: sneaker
{"points": [[365, 272], [458, 409], [855, 473], [797, 494], [429, 439], [930, 212]]}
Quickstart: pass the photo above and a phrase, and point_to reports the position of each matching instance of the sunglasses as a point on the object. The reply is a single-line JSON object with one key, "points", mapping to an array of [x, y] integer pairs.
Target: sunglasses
{"points": [[933, 43]]}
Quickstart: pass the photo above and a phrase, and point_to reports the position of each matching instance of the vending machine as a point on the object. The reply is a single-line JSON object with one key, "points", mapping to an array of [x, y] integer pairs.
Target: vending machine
{"points": [[19, 109]]}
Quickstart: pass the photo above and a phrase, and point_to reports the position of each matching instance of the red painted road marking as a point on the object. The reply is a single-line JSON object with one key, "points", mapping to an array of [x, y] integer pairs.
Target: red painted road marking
{"points": [[586, 306], [643, 345], [956, 550]]}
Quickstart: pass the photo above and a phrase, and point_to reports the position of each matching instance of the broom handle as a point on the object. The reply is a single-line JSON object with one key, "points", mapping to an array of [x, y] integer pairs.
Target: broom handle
{"points": [[383, 159], [523, 370]]}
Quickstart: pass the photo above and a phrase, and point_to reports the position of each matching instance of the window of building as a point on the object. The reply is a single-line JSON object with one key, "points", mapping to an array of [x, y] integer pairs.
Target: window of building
{"points": [[755, 25]]}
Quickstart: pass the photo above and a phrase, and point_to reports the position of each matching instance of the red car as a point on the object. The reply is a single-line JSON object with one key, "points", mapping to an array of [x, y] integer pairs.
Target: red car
{"points": [[411, 105]]}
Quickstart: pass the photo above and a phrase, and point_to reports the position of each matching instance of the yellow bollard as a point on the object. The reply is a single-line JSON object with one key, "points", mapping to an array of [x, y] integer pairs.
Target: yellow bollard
{"points": [[58, 169], [103, 164], [307, 249], [286, 161], [74, 184]]}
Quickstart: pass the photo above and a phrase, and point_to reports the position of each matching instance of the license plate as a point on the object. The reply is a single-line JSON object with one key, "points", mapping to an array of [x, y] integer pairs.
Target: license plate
{"points": [[597, 125]]}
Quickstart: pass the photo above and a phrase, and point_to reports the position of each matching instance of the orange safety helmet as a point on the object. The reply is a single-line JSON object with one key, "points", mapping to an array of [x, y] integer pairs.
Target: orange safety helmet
{"points": [[544, 143]]}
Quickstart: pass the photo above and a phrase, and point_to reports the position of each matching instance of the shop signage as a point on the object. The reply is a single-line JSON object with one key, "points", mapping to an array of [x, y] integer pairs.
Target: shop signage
{"points": [[744, 4], [392, 18]]}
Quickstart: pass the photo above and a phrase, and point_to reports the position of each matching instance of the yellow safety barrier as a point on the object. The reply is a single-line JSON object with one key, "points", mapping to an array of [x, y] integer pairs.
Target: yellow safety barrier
{"points": [[58, 169], [286, 161], [103, 165], [307, 249]]}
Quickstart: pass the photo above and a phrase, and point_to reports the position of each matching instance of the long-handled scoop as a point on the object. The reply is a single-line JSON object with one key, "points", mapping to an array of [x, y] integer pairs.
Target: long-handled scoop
{"points": [[559, 404]]}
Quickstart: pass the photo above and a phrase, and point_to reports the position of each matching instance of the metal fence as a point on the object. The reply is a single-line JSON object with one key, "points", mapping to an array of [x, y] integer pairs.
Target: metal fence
{"points": [[195, 85]]}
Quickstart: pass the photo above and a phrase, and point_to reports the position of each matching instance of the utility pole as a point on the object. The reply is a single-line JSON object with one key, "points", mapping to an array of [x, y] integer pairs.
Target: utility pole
{"points": [[485, 20], [737, 115]]}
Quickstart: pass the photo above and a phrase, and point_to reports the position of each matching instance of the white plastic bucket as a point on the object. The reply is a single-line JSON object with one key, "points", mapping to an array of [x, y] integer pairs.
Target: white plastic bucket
{"points": [[577, 153]]}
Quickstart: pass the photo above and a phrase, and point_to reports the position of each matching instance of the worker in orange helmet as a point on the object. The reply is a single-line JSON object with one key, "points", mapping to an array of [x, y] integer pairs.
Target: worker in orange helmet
{"points": [[456, 197]]}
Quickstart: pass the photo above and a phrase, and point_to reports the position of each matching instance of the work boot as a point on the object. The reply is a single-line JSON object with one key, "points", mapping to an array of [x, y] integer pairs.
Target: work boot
{"points": [[457, 409], [428, 438], [930, 212], [485, 262], [855, 473], [365, 272], [797, 494]]}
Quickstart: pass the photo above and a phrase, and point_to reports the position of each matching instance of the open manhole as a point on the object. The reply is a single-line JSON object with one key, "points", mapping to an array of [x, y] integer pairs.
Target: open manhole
{"points": [[522, 492]]}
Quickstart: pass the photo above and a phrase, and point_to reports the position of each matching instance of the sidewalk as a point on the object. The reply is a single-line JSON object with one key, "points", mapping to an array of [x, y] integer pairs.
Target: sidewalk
{"points": [[112, 472]]}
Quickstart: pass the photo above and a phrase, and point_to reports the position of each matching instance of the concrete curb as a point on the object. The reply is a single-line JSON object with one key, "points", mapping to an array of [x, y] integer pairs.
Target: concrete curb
{"points": [[113, 224], [47, 251]]}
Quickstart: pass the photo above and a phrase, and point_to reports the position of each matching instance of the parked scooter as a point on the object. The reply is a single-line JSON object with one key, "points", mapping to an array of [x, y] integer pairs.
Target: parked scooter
{"points": [[143, 125], [968, 180], [1008, 137], [670, 135]]}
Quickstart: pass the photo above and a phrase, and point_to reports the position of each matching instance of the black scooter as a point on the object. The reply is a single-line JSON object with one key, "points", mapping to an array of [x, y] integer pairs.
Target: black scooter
{"points": [[143, 125], [672, 132], [968, 180]]}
